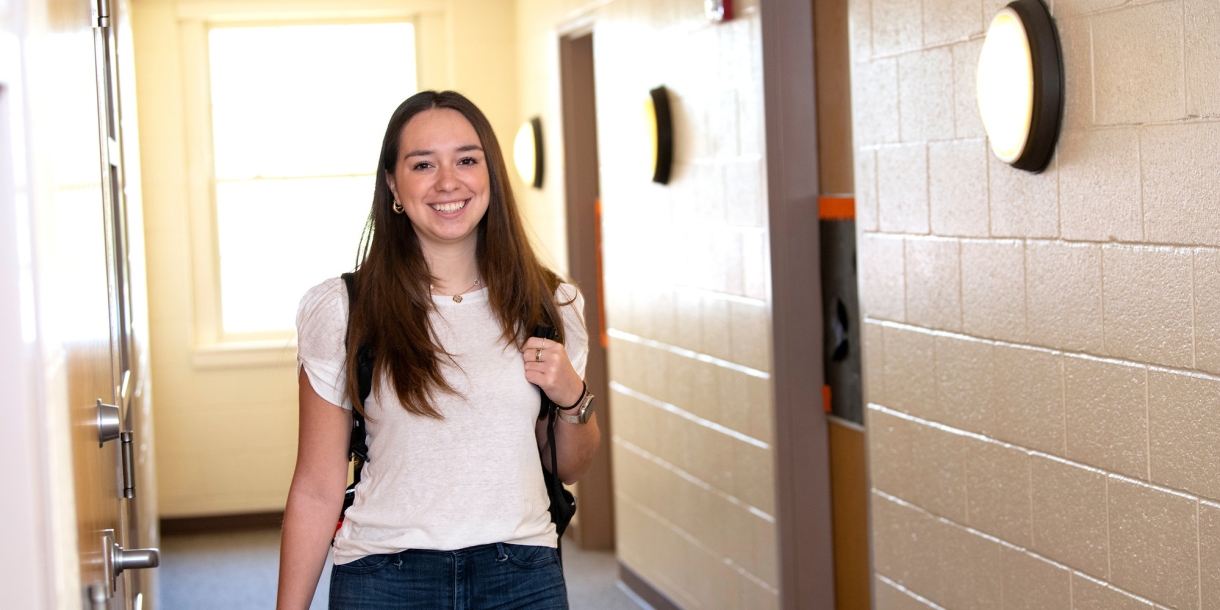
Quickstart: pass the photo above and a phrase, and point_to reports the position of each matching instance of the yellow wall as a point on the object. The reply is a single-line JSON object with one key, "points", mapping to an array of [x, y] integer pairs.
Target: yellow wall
{"points": [[1041, 361], [226, 426], [687, 287]]}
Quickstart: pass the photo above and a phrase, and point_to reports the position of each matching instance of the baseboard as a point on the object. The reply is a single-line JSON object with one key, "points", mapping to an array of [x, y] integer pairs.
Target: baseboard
{"points": [[221, 523], [644, 590]]}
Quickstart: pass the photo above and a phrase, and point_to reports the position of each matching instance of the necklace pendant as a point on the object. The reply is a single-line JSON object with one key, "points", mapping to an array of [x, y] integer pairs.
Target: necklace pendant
{"points": [[457, 298]]}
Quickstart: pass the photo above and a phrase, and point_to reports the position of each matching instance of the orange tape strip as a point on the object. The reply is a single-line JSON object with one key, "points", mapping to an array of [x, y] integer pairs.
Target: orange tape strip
{"points": [[836, 208], [826, 398]]}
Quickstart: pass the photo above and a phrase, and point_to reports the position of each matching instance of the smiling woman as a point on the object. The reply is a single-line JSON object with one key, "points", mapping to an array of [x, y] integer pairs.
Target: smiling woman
{"points": [[448, 387]]}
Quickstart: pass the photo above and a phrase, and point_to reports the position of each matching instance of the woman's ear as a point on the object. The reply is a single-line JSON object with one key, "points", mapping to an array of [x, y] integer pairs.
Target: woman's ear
{"points": [[389, 180]]}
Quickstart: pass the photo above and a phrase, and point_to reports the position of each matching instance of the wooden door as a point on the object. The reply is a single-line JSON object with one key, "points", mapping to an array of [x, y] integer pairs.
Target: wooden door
{"points": [[84, 242], [100, 352]]}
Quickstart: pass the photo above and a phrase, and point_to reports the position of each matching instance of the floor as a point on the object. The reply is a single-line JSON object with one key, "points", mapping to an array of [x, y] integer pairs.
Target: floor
{"points": [[237, 571]]}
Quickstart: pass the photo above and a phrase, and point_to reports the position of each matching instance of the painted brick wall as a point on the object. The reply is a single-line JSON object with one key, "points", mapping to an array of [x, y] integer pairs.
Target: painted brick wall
{"points": [[687, 283], [1042, 351]]}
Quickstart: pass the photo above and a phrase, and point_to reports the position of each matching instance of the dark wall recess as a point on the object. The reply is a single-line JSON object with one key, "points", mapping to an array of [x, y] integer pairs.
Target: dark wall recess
{"points": [[841, 311]]}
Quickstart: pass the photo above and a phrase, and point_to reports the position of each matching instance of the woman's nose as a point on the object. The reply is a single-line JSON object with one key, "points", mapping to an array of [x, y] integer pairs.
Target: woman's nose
{"points": [[447, 180]]}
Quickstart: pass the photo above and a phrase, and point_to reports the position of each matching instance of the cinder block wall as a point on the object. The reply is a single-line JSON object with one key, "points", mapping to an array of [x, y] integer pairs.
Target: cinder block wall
{"points": [[687, 285], [1042, 351]]}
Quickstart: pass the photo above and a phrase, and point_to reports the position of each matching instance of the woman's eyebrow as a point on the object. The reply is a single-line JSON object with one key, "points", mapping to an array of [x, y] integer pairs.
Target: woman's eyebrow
{"points": [[425, 152]]}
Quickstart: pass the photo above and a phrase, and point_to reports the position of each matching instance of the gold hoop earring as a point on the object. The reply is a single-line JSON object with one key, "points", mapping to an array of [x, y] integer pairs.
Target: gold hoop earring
{"points": [[398, 207]]}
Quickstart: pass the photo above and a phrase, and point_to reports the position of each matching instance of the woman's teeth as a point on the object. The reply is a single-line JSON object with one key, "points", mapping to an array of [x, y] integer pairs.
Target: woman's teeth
{"points": [[449, 207]]}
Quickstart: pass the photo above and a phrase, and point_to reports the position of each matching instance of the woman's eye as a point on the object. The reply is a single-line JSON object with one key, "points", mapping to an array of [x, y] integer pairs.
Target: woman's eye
{"points": [[421, 165], [468, 161]]}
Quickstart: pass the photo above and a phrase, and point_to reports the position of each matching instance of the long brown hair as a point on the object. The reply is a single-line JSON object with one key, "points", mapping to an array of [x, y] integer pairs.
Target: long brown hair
{"points": [[393, 298]]}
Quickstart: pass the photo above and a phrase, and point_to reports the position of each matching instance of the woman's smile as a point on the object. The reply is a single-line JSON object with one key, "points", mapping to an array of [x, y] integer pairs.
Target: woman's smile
{"points": [[449, 209]]}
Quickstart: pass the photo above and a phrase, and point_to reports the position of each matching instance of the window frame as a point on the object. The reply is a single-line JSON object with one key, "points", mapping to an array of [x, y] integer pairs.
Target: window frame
{"points": [[213, 347]]}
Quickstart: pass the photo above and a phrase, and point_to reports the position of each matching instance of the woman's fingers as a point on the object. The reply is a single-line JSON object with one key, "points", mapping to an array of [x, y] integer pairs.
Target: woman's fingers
{"points": [[538, 342], [543, 361], [537, 349]]}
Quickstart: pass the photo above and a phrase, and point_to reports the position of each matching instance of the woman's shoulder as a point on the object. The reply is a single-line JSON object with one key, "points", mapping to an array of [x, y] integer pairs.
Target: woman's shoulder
{"points": [[325, 303], [568, 293], [571, 305]]}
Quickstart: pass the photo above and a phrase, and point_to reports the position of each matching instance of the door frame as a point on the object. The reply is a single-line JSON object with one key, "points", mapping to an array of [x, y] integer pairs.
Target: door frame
{"points": [[595, 529], [802, 453]]}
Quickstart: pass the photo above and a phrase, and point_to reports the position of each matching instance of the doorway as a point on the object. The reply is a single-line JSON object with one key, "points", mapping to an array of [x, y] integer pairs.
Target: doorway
{"points": [[594, 527]]}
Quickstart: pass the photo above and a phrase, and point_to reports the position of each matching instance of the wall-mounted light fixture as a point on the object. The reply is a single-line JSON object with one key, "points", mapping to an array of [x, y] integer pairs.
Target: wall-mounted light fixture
{"points": [[527, 152], [1020, 85], [660, 133]]}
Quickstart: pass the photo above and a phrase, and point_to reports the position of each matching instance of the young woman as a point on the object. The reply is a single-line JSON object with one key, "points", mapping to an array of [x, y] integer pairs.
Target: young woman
{"points": [[451, 511]]}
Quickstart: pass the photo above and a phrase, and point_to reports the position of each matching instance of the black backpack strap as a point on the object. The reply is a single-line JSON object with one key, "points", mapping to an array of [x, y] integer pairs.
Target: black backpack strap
{"points": [[358, 448], [563, 504]]}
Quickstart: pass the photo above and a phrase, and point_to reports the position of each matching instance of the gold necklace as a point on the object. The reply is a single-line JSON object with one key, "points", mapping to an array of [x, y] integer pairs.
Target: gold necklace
{"points": [[457, 298]]}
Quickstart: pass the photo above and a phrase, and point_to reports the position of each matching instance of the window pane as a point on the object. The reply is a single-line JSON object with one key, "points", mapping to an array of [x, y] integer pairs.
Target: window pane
{"points": [[280, 237], [298, 113], [306, 100]]}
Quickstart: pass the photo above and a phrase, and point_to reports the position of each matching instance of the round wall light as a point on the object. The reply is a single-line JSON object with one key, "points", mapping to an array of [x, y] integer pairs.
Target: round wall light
{"points": [[1020, 85], [660, 134], [527, 152]]}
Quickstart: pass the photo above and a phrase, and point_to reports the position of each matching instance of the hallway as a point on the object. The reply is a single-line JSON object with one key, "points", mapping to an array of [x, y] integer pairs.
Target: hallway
{"points": [[237, 571], [850, 350]]}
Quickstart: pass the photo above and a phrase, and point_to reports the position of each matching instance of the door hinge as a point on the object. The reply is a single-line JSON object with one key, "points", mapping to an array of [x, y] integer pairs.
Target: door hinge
{"points": [[129, 465], [101, 13], [109, 427]]}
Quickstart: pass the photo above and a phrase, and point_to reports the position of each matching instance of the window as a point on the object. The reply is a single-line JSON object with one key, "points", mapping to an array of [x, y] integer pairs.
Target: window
{"points": [[297, 113]]}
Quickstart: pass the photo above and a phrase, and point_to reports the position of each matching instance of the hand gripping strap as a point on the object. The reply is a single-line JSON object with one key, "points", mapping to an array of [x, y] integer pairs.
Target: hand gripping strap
{"points": [[563, 504]]}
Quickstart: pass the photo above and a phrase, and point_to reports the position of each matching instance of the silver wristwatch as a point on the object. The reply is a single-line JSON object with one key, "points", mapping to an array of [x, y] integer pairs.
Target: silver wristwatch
{"points": [[582, 411]]}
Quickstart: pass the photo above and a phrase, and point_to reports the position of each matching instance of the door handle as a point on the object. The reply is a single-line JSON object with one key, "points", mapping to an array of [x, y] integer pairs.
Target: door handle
{"points": [[97, 594], [116, 559], [135, 559]]}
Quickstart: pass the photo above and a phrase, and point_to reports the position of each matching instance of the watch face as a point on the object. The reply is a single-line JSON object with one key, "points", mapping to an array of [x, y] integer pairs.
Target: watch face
{"points": [[586, 410]]}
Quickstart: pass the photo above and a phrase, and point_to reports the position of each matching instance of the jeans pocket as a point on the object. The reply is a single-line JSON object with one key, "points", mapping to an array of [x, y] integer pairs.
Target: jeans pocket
{"points": [[364, 565], [530, 557]]}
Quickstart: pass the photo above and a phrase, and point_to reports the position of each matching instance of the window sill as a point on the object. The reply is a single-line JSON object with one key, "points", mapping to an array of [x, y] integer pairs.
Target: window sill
{"points": [[245, 354]]}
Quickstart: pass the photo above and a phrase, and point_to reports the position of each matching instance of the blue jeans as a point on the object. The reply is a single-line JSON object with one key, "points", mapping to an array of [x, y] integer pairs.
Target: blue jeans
{"points": [[488, 577]]}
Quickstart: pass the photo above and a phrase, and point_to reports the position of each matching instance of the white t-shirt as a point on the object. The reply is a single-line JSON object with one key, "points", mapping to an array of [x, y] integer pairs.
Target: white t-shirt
{"points": [[471, 478]]}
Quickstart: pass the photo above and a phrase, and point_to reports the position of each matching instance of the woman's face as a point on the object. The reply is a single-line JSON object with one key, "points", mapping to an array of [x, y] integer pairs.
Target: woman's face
{"points": [[441, 178]]}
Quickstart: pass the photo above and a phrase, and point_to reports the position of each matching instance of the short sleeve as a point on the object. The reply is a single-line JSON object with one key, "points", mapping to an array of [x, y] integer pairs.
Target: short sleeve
{"points": [[576, 335], [321, 330]]}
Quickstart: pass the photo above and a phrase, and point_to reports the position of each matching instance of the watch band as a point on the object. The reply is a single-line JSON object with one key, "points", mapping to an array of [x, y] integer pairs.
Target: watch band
{"points": [[584, 410]]}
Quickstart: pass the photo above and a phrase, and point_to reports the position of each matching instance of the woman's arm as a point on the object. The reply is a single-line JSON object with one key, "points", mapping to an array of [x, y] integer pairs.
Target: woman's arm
{"points": [[315, 499], [547, 366], [575, 446]]}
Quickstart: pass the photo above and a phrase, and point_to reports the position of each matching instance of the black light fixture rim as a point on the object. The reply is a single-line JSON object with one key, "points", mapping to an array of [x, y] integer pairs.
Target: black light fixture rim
{"points": [[536, 128], [1047, 58], [665, 134]]}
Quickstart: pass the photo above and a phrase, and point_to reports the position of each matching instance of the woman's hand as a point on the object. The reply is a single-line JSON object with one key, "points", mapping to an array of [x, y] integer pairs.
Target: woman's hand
{"points": [[548, 367]]}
